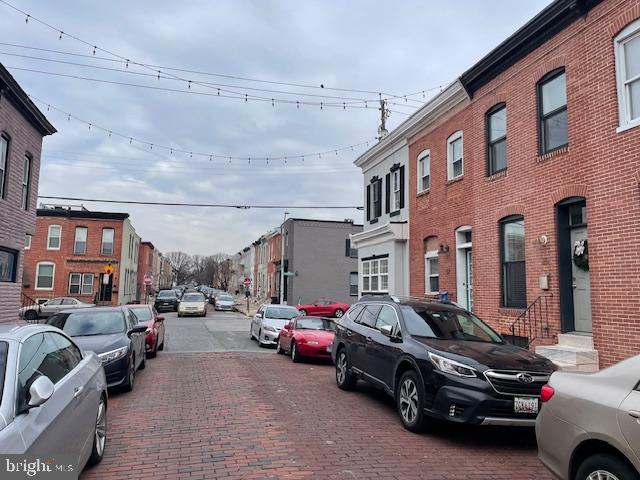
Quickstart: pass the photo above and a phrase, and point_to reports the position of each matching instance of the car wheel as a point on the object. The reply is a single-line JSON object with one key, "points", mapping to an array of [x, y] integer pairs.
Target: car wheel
{"points": [[338, 313], [605, 467], [344, 377], [410, 402], [161, 347], [100, 434], [31, 315], [295, 354], [260, 344], [131, 375], [143, 363], [279, 349], [303, 312]]}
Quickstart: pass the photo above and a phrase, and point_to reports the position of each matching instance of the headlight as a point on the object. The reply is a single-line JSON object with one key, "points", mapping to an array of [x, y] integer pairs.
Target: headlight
{"points": [[113, 355], [447, 365], [311, 342], [269, 329]]}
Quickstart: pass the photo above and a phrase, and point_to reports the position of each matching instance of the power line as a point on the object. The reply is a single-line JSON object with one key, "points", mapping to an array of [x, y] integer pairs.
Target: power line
{"points": [[207, 205]]}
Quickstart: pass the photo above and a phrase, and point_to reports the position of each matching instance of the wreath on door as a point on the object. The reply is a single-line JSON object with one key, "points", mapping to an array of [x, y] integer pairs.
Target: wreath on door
{"points": [[581, 254]]}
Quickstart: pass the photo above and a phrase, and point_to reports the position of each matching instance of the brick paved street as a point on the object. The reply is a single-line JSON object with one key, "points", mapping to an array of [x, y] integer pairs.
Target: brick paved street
{"points": [[251, 416]]}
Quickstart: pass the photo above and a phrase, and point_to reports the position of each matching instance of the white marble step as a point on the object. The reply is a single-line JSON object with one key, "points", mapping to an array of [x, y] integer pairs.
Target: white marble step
{"points": [[583, 341], [581, 359], [570, 367]]}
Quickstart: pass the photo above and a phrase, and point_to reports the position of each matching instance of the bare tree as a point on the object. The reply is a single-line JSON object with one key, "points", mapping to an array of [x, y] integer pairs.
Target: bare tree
{"points": [[181, 263], [224, 270]]}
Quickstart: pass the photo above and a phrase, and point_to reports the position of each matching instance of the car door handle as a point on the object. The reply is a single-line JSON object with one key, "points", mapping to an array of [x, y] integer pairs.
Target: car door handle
{"points": [[634, 414], [77, 392]]}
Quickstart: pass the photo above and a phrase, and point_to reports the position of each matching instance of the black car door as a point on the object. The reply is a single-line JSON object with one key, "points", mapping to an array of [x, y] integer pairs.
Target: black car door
{"points": [[382, 353], [362, 331]]}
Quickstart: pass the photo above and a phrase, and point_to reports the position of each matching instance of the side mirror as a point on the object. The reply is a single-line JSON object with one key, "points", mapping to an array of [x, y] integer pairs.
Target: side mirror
{"points": [[137, 329], [386, 330], [40, 391], [160, 318], [258, 315]]}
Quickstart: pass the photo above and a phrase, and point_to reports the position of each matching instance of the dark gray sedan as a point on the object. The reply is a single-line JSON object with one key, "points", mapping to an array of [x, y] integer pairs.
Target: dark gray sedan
{"points": [[53, 397]]}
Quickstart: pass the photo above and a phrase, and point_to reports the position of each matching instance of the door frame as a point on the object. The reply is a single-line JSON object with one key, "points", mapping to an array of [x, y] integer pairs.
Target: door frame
{"points": [[462, 275], [565, 260]]}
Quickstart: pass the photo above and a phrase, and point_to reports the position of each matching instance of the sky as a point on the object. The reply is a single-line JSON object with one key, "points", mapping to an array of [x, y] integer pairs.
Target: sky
{"points": [[401, 48]]}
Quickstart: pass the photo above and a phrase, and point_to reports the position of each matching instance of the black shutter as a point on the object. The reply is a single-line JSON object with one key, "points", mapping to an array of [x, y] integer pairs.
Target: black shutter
{"points": [[368, 202], [379, 209], [402, 186], [347, 247], [388, 192]]}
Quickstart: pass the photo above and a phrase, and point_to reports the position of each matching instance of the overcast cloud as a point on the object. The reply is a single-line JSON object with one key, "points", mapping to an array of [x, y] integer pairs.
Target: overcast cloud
{"points": [[398, 47]]}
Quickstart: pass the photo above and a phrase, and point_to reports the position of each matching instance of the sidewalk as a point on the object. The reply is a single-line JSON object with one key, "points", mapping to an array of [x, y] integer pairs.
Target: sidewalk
{"points": [[241, 305]]}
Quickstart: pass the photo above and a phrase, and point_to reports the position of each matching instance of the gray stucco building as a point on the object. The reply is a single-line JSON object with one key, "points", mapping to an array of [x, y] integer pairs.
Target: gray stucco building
{"points": [[319, 254]]}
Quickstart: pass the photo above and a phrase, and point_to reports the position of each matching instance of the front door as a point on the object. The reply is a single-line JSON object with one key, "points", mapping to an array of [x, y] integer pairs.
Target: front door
{"points": [[105, 288], [469, 282], [581, 286]]}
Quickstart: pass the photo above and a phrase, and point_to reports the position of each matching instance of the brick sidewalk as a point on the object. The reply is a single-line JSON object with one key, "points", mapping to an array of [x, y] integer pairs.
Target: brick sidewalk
{"points": [[247, 416]]}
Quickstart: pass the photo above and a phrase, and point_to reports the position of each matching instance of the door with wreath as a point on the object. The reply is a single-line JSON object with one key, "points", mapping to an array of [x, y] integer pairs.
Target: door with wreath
{"points": [[580, 280]]}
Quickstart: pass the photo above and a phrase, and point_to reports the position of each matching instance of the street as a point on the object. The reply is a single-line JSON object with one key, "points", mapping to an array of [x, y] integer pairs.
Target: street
{"points": [[214, 405]]}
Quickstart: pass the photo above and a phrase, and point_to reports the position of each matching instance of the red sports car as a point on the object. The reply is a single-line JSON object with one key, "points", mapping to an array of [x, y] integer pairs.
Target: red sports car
{"points": [[324, 308], [148, 315], [307, 337]]}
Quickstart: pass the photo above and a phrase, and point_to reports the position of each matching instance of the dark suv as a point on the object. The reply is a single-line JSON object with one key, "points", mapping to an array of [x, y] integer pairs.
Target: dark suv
{"points": [[438, 360]]}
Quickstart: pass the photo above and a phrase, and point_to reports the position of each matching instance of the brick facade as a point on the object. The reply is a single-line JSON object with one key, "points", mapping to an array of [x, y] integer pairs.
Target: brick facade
{"points": [[24, 127], [145, 267], [273, 267], [600, 164]]}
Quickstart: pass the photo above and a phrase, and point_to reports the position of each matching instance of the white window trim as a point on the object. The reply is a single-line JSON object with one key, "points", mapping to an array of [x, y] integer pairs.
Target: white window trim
{"points": [[395, 191], [53, 279], [27, 245], [113, 242], [425, 154], [457, 135], [629, 32], [82, 284], [379, 275], [75, 240], [49, 237], [427, 271]]}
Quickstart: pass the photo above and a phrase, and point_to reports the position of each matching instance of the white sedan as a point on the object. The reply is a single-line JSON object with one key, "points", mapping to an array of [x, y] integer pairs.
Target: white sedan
{"points": [[51, 307], [193, 304]]}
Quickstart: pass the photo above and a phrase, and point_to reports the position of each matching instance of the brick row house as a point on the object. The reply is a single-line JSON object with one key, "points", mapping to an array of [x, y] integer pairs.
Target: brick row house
{"points": [[70, 250], [523, 185], [22, 128]]}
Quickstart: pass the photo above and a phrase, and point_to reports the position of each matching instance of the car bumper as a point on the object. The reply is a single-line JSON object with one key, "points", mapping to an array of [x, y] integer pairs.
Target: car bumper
{"points": [[316, 351], [191, 312], [556, 440], [225, 307], [116, 372], [269, 338], [160, 306]]}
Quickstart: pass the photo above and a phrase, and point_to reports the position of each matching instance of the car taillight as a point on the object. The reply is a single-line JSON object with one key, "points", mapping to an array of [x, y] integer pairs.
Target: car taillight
{"points": [[546, 393]]}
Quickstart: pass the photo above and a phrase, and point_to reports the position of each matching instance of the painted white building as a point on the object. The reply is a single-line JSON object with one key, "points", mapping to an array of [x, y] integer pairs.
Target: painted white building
{"points": [[127, 285]]}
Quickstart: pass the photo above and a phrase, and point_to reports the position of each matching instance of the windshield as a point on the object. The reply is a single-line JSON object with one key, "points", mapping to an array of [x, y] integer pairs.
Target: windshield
{"points": [[4, 348], [281, 313], [311, 323], [225, 298], [85, 323], [143, 313], [193, 297], [167, 294], [447, 325]]}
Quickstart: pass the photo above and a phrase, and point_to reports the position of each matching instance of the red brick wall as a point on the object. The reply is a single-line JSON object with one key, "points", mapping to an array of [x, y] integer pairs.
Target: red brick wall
{"points": [[145, 266], [66, 261], [599, 164], [274, 257], [15, 223]]}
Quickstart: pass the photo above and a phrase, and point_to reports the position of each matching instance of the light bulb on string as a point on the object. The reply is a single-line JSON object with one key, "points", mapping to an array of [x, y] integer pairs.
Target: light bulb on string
{"points": [[171, 152], [110, 133], [61, 33], [320, 105], [158, 74], [272, 104], [249, 160], [69, 117], [298, 105], [229, 159], [26, 20], [94, 49], [130, 140], [127, 64], [190, 154], [89, 126], [246, 97], [189, 84], [218, 91], [48, 107], [210, 158], [151, 146]]}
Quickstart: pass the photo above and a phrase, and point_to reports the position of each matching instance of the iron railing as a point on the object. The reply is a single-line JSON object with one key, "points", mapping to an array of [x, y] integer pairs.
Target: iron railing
{"points": [[30, 310], [533, 323]]}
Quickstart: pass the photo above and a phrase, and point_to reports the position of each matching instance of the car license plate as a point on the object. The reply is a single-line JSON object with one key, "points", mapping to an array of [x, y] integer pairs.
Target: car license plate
{"points": [[165, 303], [525, 405]]}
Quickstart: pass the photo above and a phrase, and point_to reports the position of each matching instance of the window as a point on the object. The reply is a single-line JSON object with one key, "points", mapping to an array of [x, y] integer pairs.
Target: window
{"points": [[26, 180], [27, 241], [387, 317], [396, 190], [81, 284], [80, 243], [377, 197], [375, 275], [4, 161], [424, 171], [107, 241], [431, 273], [8, 265], [348, 250], [54, 237], [44, 276], [455, 167], [514, 293], [368, 317], [497, 139], [353, 284], [552, 107], [627, 48]]}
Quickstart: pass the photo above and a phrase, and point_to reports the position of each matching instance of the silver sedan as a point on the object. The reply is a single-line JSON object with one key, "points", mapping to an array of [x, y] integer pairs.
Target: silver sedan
{"points": [[589, 424], [53, 397]]}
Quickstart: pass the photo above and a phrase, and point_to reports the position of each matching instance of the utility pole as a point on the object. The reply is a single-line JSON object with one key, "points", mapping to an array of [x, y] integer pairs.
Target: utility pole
{"points": [[282, 277], [384, 114]]}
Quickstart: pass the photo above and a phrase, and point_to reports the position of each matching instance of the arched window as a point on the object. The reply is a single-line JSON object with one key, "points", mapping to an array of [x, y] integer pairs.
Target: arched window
{"points": [[627, 49]]}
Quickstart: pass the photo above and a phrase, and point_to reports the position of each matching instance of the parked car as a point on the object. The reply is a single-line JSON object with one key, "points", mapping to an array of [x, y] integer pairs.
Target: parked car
{"points": [[324, 308], [147, 315], [167, 300], [438, 360], [307, 337], [589, 424], [268, 321], [192, 304], [51, 307], [54, 397], [224, 301], [113, 334]]}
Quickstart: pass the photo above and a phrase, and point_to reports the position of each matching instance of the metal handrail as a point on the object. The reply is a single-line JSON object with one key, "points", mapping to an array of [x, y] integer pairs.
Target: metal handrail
{"points": [[533, 322]]}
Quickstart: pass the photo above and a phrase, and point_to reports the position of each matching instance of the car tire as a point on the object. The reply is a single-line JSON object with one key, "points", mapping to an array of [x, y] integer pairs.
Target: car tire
{"points": [[143, 363], [131, 375], [345, 378], [295, 354], [161, 347], [338, 313], [303, 312], [410, 402], [99, 434], [279, 349], [604, 462], [260, 344], [31, 315]]}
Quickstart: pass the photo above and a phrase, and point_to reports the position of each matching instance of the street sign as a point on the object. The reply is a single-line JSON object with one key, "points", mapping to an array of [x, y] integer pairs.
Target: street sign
{"points": [[148, 279], [108, 269], [289, 274], [247, 281]]}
